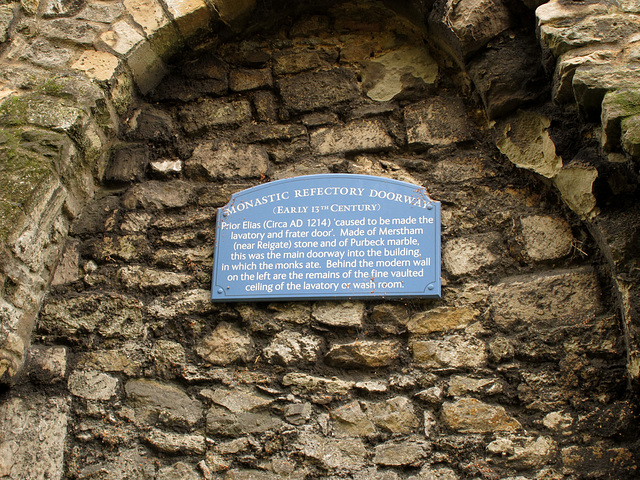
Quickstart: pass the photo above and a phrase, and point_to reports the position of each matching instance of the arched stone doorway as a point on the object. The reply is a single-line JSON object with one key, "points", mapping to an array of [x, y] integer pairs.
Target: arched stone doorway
{"points": [[504, 375]]}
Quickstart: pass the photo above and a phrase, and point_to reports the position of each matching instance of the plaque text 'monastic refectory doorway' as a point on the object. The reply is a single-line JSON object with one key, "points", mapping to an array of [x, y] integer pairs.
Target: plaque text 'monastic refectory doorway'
{"points": [[328, 236]]}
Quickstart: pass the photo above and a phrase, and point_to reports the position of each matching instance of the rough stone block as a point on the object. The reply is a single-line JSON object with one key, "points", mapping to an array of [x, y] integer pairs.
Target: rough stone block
{"points": [[286, 62], [343, 314], [467, 255], [92, 385], [101, 66], [211, 160], [121, 38], [155, 195], [438, 121], [128, 163], [333, 454], [396, 415], [147, 67], [34, 433], [546, 238], [221, 421], [527, 144], [71, 30], [289, 348], [364, 353], [508, 74], [575, 183], [468, 415], [126, 247], [226, 344], [137, 277], [616, 106], [190, 302], [351, 420], [357, 136], [441, 319], [249, 79], [150, 398], [314, 90], [110, 315], [191, 16], [202, 116], [591, 83], [46, 364], [630, 138], [397, 453], [453, 351], [556, 298]]}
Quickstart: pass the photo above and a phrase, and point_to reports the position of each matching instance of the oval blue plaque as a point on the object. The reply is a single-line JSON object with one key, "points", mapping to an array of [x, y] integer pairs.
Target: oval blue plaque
{"points": [[330, 236]]}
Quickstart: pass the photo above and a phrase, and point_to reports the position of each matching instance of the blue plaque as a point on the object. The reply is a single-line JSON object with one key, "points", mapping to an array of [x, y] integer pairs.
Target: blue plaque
{"points": [[333, 236]]}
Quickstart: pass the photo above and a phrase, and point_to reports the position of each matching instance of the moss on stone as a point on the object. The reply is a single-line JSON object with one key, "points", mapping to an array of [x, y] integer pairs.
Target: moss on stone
{"points": [[631, 135]]}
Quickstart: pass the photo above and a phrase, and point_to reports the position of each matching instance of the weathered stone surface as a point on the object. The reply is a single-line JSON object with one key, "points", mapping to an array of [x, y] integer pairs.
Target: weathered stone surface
{"points": [[546, 238], [400, 73], [459, 386], [429, 472], [245, 79], [300, 60], [453, 351], [439, 121], [396, 415], [239, 400], [154, 195], [357, 136], [467, 255], [202, 116], [109, 315], [524, 452], [575, 184], [126, 360], [298, 413], [592, 82], [166, 167], [153, 400], [616, 106], [175, 443], [34, 433], [121, 463], [364, 353], [46, 364], [602, 460], [226, 344], [397, 453], [126, 247], [189, 302], [463, 28], [556, 298], [314, 90], [333, 454], [526, 142], [441, 319], [351, 421], [304, 383], [508, 74], [211, 161], [630, 138], [92, 385], [342, 314], [136, 277], [222, 422], [288, 348], [468, 415]]}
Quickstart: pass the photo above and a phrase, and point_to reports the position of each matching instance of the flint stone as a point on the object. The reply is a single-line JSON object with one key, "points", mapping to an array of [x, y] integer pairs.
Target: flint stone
{"points": [[468, 415], [34, 435], [343, 314], [441, 319], [238, 401], [155, 400], [546, 238], [207, 114], [212, 161], [352, 421], [439, 121], [527, 144], [221, 421], [155, 195], [314, 90], [396, 415], [109, 315], [190, 302], [226, 344], [92, 385], [357, 136], [466, 255], [137, 277], [174, 443], [288, 348], [453, 351], [364, 353], [333, 454], [396, 453], [552, 299]]}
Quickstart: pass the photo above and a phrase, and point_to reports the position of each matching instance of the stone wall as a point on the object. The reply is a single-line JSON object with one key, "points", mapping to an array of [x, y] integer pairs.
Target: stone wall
{"points": [[522, 370]]}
